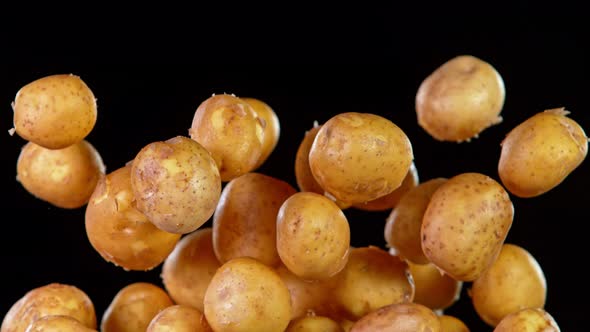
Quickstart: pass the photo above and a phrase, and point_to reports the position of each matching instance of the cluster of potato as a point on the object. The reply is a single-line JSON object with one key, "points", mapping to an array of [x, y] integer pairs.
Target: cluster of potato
{"points": [[277, 258]]}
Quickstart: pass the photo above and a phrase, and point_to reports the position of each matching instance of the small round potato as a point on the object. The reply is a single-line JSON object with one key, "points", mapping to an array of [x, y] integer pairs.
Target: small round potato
{"points": [[54, 111], [538, 154], [313, 236], [359, 157], [229, 128], [303, 175], [402, 229], [460, 99], [246, 295], [528, 320], [50, 300], [465, 225], [514, 281], [402, 317], [121, 234], [65, 178], [245, 221], [452, 324], [314, 324], [176, 184], [433, 289], [58, 324], [272, 127], [134, 307], [179, 318], [188, 270]]}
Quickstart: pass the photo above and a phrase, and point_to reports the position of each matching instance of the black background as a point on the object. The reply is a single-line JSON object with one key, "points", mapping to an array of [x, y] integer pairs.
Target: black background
{"points": [[150, 78]]}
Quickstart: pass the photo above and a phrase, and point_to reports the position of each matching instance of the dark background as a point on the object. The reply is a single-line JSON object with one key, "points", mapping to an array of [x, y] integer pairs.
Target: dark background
{"points": [[150, 78]]}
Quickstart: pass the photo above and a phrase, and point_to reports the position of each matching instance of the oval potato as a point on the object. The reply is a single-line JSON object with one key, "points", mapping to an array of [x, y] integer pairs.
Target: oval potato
{"points": [[179, 318], [401, 317], [528, 320]]}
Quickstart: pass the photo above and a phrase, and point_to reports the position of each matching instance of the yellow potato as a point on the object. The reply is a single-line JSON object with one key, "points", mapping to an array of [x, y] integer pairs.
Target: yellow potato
{"points": [[460, 99], [246, 295], [244, 224], [133, 308], [229, 128], [538, 154], [176, 184], [402, 228], [314, 324], [272, 128], [514, 281], [452, 324], [303, 175], [465, 225], [528, 320], [346, 325], [313, 236], [188, 270], [50, 300], [433, 289], [402, 317], [359, 157], [118, 232], [57, 324], [179, 318], [65, 178], [54, 111]]}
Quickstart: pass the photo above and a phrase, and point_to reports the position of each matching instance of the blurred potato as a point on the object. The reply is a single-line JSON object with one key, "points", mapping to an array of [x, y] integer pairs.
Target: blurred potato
{"points": [[179, 318], [314, 324], [401, 317], [303, 175], [452, 324], [272, 128], [433, 289], [528, 320]]}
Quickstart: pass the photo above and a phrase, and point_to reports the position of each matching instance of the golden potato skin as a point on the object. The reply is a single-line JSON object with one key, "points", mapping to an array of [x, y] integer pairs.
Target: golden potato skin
{"points": [[465, 225], [134, 307], [359, 157], [272, 128], [229, 128], [246, 295], [515, 281], [404, 223], [460, 99], [528, 320], [313, 236], [49, 300], [54, 111], [58, 324], [65, 178], [188, 270], [314, 324], [179, 318], [538, 154], [245, 220], [118, 231], [402, 317], [452, 324], [390, 200], [303, 175], [433, 289], [176, 184]]}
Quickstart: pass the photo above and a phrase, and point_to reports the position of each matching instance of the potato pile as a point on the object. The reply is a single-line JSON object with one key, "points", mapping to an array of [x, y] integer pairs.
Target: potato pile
{"points": [[277, 257]]}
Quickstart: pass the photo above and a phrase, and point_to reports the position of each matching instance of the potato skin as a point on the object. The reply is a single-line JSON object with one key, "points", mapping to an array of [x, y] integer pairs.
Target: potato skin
{"points": [[514, 281], [467, 204], [272, 128], [55, 111], [179, 318], [49, 300], [402, 317], [314, 324], [538, 154], [64, 178], [58, 324], [303, 175], [359, 157], [391, 200], [176, 184], [452, 324], [528, 320], [460, 99], [433, 289]]}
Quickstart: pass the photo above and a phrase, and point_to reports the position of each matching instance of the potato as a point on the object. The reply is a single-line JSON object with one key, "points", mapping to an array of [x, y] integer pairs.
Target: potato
{"points": [[133, 308], [390, 200], [49, 300], [65, 178], [179, 318], [121, 234], [188, 270], [433, 289], [465, 225], [314, 324], [245, 220], [272, 128], [346, 325], [229, 128], [54, 111], [359, 157], [460, 99], [58, 324], [313, 236], [403, 225], [514, 281], [538, 154], [528, 320], [452, 324], [246, 295], [176, 184], [303, 175], [371, 279], [402, 317]]}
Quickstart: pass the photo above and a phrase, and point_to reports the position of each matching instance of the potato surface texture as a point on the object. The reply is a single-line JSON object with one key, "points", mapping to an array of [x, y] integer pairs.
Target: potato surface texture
{"points": [[314, 324], [403, 317], [179, 318], [58, 324], [272, 128], [528, 320], [391, 200]]}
